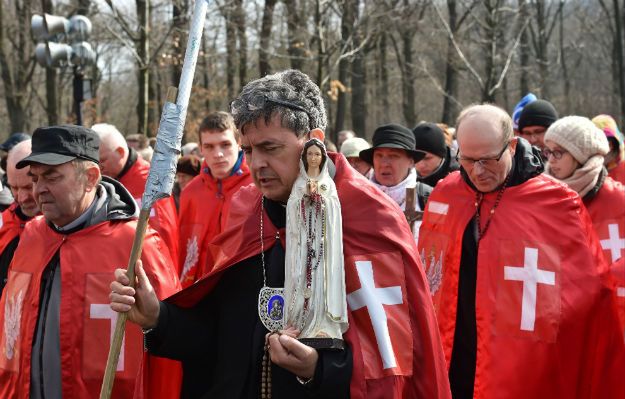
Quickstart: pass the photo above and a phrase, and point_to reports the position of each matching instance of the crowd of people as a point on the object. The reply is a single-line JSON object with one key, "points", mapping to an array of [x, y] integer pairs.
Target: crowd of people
{"points": [[504, 276]]}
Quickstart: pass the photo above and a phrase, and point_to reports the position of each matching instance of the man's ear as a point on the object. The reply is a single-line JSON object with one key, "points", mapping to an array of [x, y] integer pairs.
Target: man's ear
{"points": [[120, 151], [513, 144], [317, 134], [93, 175]]}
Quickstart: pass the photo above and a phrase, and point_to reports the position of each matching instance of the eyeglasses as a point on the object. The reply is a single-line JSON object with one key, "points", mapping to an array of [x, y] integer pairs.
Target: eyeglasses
{"points": [[557, 154], [484, 162], [533, 134]]}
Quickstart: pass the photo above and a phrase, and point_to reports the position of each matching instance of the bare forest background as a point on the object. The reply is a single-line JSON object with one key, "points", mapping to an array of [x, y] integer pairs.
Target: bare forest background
{"points": [[376, 61]]}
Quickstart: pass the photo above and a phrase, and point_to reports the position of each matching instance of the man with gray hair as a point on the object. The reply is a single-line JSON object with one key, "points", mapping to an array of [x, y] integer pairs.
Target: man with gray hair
{"points": [[517, 274], [123, 163], [24, 208], [56, 322], [391, 349]]}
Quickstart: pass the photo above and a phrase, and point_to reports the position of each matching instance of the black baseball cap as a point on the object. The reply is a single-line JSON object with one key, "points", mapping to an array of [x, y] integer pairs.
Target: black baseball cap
{"points": [[14, 139], [56, 145], [392, 136]]}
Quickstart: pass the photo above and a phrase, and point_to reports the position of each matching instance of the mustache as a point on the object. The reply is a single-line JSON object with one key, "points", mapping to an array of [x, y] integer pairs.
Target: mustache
{"points": [[266, 174]]}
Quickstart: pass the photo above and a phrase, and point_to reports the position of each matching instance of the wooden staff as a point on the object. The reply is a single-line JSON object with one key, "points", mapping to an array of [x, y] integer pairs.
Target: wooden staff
{"points": [[409, 211], [135, 254], [162, 171]]}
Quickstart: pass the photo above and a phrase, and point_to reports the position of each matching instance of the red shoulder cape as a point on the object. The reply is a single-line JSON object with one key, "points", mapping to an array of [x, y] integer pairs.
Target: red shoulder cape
{"points": [[378, 246]]}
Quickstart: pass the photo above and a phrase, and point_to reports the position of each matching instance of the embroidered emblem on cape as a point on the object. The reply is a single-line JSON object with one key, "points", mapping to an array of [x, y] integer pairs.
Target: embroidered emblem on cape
{"points": [[433, 270], [192, 257], [271, 308], [12, 318]]}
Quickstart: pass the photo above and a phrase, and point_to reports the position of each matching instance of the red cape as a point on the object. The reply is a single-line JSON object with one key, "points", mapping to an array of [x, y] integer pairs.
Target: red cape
{"points": [[377, 243], [204, 209], [562, 341], [10, 226]]}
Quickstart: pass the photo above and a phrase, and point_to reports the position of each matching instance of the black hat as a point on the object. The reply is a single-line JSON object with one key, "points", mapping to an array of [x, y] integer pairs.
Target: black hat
{"points": [[13, 140], [430, 138], [538, 113], [392, 136], [56, 145]]}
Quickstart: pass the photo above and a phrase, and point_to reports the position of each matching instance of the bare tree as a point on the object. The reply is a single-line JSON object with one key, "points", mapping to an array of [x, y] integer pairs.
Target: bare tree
{"points": [[452, 66], [544, 18], [16, 60], [264, 65], [297, 42], [347, 27]]}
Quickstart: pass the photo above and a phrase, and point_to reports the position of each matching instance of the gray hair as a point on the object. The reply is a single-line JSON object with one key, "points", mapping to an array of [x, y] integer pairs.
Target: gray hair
{"points": [[81, 166], [290, 94]]}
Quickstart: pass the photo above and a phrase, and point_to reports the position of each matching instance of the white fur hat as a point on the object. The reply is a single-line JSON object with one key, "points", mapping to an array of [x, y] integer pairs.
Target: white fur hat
{"points": [[579, 136]]}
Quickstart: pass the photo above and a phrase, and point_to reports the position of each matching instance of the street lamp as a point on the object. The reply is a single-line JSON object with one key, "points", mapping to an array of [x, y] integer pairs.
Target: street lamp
{"points": [[53, 33]]}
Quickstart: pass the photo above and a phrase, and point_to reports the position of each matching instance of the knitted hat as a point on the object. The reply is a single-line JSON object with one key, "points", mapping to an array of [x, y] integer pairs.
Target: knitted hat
{"points": [[430, 138], [579, 136], [189, 164], [516, 114], [538, 113], [608, 125], [352, 147], [392, 136]]}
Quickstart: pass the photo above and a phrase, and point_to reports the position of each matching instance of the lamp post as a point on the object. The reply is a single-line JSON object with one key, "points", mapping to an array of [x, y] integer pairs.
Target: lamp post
{"points": [[62, 43]]}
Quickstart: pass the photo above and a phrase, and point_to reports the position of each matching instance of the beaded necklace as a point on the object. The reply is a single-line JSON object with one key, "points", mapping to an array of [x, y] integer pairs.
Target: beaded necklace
{"points": [[479, 198], [271, 318]]}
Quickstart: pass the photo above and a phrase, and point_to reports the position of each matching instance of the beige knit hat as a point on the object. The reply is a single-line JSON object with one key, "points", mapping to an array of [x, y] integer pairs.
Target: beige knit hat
{"points": [[352, 147], [579, 136]]}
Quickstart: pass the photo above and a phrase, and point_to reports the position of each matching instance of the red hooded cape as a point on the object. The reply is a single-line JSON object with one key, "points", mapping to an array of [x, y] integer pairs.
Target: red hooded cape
{"points": [[163, 216], [204, 207], [547, 324], [88, 259], [11, 226], [378, 246]]}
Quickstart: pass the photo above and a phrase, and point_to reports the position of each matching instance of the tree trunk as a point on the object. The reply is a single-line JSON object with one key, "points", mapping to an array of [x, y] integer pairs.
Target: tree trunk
{"points": [[52, 93], [565, 72], [264, 66], [490, 52], [239, 20], [16, 66], [205, 72], [179, 38], [407, 77], [83, 7], [347, 26], [321, 47], [231, 48], [297, 44], [524, 50], [143, 50], [359, 82], [618, 54], [384, 81], [450, 110]]}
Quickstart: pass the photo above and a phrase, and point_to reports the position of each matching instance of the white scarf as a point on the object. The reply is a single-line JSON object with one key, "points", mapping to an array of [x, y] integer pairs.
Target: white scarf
{"points": [[398, 192], [585, 177]]}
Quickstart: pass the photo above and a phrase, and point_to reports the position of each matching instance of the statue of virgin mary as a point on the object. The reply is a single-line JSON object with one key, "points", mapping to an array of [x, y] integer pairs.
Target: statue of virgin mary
{"points": [[314, 286]]}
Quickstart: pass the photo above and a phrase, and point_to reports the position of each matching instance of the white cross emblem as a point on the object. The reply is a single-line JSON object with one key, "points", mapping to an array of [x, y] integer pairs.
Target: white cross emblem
{"points": [[531, 276], [620, 291], [374, 300], [104, 311], [614, 243]]}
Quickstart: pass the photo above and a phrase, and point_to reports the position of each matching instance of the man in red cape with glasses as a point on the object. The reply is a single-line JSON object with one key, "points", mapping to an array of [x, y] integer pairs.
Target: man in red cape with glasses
{"points": [[392, 349]]}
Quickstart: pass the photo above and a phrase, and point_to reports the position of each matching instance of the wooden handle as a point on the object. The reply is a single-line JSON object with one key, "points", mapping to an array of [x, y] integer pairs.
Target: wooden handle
{"points": [[120, 326], [172, 92]]}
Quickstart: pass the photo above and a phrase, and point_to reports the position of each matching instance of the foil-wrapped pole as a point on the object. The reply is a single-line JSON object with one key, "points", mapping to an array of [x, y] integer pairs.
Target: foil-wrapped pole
{"points": [[162, 172], [171, 128]]}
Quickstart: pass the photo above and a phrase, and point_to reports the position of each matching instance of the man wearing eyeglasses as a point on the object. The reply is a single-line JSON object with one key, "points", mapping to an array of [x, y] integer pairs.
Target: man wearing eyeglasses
{"points": [[534, 121], [516, 274]]}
